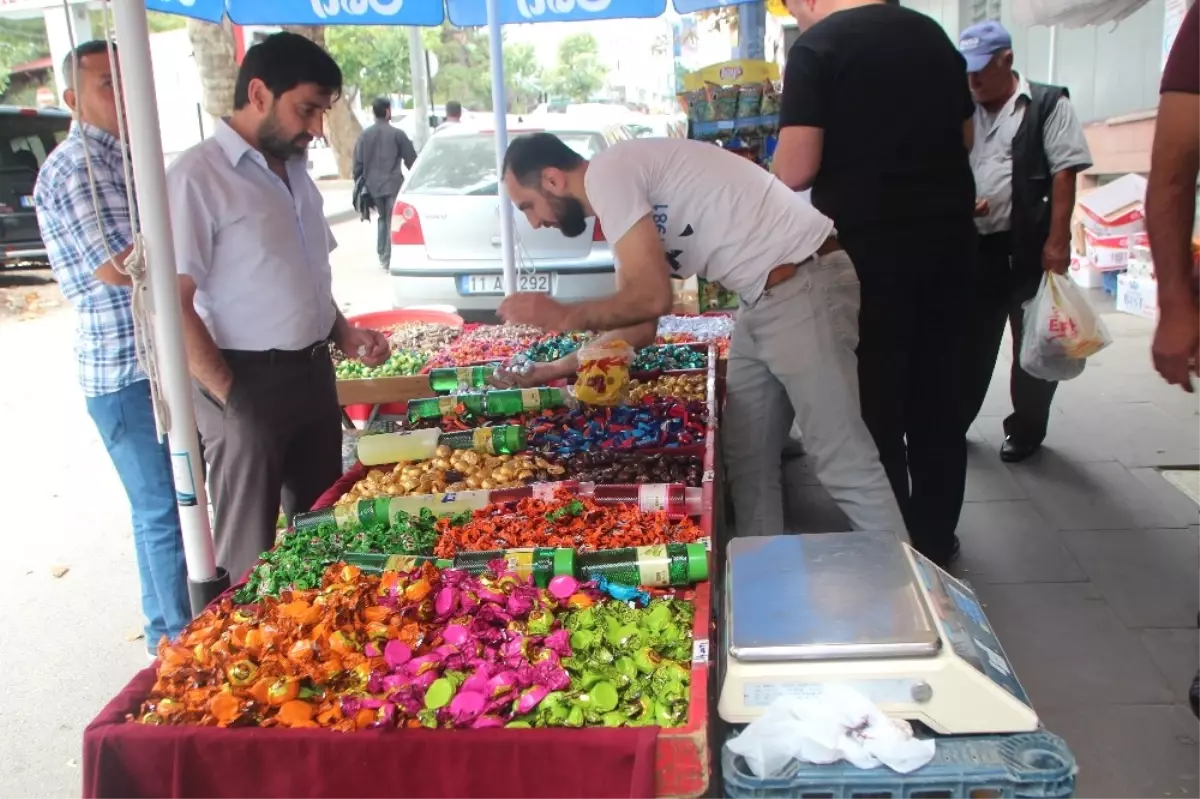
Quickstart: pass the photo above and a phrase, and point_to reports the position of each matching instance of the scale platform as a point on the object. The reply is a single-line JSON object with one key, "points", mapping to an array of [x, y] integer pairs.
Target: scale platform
{"points": [[865, 610]]}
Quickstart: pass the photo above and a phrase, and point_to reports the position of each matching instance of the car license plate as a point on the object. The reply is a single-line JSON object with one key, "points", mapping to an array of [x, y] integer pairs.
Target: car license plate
{"points": [[494, 284], [27, 201]]}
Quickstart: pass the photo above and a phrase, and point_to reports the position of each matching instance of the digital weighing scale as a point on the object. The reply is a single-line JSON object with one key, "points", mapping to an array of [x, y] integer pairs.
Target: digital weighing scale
{"points": [[865, 610]]}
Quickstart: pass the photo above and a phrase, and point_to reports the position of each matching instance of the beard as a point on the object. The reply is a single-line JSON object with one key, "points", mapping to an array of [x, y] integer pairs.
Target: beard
{"points": [[274, 142], [568, 211]]}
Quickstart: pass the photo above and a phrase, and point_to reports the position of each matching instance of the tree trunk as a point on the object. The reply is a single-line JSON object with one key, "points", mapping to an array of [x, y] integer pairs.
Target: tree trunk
{"points": [[216, 57], [342, 128]]}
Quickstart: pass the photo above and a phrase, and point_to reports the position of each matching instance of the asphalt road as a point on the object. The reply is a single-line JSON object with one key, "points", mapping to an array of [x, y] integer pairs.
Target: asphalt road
{"points": [[68, 585]]}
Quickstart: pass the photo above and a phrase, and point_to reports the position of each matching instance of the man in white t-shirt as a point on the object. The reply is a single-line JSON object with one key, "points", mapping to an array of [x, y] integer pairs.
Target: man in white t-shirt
{"points": [[678, 208]]}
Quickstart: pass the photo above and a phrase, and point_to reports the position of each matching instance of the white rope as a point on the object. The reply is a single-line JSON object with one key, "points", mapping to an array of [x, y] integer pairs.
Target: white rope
{"points": [[135, 265]]}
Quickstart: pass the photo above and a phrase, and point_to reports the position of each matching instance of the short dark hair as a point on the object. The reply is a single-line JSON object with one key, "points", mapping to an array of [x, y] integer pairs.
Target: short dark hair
{"points": [[283, 61], [381, 106], [453, 109], [72, 59], [528, 155]]}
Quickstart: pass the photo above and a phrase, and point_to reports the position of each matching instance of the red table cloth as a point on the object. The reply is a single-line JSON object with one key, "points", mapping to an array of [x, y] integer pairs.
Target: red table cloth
{"points": [[121, 759]]}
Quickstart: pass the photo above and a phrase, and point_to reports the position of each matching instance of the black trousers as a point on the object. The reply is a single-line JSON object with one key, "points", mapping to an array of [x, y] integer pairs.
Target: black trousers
{"points": [[384, 204], [278, 439], [999, 296], [911, 363]]}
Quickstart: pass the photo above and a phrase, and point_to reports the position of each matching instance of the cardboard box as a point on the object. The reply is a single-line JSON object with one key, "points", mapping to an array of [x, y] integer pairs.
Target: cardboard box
{"points": [[1084, 274], [1107, 252], [1115, 209], [1137, 296]]}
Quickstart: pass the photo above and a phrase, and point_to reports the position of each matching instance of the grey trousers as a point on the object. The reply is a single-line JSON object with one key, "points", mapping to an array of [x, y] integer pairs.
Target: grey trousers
{"points": [[278, 439], [792, 361]]}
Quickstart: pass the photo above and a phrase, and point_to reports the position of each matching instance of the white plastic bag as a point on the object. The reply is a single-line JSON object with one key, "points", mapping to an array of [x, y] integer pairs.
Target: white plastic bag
{"points": [[1060, 331], [836, 722]]}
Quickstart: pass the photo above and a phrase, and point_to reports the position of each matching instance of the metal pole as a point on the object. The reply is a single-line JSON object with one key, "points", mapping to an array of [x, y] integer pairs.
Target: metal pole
{"points": [[420, 86], [1053, 53], [205, 580], [499, 109]]}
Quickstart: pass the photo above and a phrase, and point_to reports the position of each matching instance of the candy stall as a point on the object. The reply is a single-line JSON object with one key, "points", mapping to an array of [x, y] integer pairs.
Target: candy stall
{"points": [[506, 593]]}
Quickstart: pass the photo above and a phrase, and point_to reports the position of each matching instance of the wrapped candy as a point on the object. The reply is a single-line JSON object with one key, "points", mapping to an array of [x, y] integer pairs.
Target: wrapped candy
{"points": [[603, 374]]}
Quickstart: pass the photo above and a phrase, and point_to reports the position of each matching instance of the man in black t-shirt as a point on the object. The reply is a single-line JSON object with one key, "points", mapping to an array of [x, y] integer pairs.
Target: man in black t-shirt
{"points": [[876, 119]]}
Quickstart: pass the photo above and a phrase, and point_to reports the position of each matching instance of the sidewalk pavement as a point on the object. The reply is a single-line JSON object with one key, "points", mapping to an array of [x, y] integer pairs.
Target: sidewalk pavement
{"points": [[1086, 560], [338, 196]]}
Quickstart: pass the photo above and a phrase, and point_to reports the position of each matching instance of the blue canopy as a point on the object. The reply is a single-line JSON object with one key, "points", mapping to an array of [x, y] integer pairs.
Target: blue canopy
{"points": [[463, 13]]}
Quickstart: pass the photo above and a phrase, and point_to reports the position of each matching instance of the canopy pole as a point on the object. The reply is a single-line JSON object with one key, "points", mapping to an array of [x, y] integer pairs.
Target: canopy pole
{"points": [[499, 113], [205, 580], [420, 86]]}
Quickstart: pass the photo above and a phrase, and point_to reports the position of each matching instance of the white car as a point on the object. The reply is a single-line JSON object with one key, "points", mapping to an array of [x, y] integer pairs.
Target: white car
{"points": [[446, 228], [322, 162]]}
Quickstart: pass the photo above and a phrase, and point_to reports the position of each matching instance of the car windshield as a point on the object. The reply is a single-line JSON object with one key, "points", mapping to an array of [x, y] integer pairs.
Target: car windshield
{"points": [[466, 164]]}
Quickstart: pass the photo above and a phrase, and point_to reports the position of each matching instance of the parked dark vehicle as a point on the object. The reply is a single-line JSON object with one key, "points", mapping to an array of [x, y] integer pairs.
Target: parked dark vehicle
{"points": [[27, 136]]}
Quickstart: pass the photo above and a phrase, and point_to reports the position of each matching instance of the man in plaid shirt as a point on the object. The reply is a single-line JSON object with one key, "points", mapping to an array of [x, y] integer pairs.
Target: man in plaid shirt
{"points": [[87, 240]]}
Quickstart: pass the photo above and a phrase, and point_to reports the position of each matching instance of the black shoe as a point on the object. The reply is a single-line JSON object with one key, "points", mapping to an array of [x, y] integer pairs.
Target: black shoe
{"points": [[1014, 451], [944, 557]]}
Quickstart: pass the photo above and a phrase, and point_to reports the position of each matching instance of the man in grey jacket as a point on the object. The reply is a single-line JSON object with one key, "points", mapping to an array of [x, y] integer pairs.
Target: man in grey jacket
{"points": [[378, 154]]}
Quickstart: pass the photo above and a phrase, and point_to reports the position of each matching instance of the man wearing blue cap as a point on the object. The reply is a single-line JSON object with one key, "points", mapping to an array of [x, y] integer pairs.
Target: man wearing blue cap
{"points": [[1028, 147]]}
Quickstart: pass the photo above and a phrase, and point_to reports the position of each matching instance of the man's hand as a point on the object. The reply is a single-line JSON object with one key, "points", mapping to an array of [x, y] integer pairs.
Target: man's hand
{"points": [[369, 346], [981, 207], [1176, 347], [1056, 257], [539, 375], [533, 308]]}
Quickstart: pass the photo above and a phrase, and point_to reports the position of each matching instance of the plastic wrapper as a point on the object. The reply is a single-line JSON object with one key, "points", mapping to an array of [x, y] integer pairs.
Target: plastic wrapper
{"points": [[603, 374], [770, 101], [724, 100], [749, 105], [1060, 331], [699, 109]]}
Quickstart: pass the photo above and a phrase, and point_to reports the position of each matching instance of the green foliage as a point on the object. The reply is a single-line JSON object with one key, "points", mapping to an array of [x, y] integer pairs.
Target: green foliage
{"points": [[464, 69], [21, 40], [374, 58], [580, 73]]}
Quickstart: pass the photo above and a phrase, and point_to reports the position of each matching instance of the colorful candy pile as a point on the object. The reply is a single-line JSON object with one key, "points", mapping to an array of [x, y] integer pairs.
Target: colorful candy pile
{"points": [[486, 343], [553, 347], [669, 357], [566, 521], [684, 387], [427, 648], [652, 423], [453, 470], [612, 467], [398, 364], [425, 338]]}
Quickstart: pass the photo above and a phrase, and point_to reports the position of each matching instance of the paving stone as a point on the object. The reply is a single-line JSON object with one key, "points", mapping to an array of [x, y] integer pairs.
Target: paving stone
{"points": [[1148, 577], [1010, 542], [1177, 655], [1092, 496], [987, 476], [1173, 501], [1129, 750], [1068, 647], [810, 509]]}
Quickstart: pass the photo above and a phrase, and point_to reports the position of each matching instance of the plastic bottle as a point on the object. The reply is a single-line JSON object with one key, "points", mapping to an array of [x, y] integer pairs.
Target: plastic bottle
{"points": [[364, 513], [670, 498], [460, 378], [377, 449], [541, 562], [437, 407], [653, 566], [512, 401], [507, 439]]}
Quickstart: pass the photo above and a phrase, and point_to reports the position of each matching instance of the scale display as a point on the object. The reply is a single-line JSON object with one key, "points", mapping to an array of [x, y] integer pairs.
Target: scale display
{"points": [[866, 611]]}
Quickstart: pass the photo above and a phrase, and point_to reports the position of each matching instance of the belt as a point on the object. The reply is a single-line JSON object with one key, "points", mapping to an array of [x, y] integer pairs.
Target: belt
{"points": [[785, 272], [311, 353]]}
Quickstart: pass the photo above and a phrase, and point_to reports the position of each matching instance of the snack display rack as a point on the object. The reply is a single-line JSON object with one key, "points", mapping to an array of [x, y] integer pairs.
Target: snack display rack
{"points": [[122, 758]]}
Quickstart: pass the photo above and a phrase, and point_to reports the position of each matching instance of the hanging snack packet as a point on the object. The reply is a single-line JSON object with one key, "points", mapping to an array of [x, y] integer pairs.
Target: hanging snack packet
{"points": [[603, 374], [699, 109], [770, 102], [749, 105], [724, 100]]}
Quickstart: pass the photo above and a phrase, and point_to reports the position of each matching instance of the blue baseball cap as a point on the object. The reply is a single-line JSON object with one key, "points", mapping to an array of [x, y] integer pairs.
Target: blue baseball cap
{"points": [[979, 43]]}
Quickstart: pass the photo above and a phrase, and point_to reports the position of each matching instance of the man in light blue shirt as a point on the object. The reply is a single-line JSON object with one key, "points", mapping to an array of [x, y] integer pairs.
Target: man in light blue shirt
{"points": [[252, 249], [88, 237]]}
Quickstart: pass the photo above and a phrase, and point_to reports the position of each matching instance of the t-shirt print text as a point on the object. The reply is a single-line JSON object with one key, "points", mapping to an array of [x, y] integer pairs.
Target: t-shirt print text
{"points": [[661, 218]]}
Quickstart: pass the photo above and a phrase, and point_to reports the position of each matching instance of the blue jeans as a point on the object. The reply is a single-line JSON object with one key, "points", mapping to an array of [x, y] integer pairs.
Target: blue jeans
{"points": [[125, 420]]}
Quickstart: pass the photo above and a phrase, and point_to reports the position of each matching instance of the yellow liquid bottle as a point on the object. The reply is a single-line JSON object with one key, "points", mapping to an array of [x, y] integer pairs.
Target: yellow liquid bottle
{"points": [[377, 449]]}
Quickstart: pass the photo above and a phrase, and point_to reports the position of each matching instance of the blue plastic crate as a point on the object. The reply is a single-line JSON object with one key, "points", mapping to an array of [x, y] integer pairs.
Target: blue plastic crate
{"points": [[1109, 279], [1034, 765]]}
